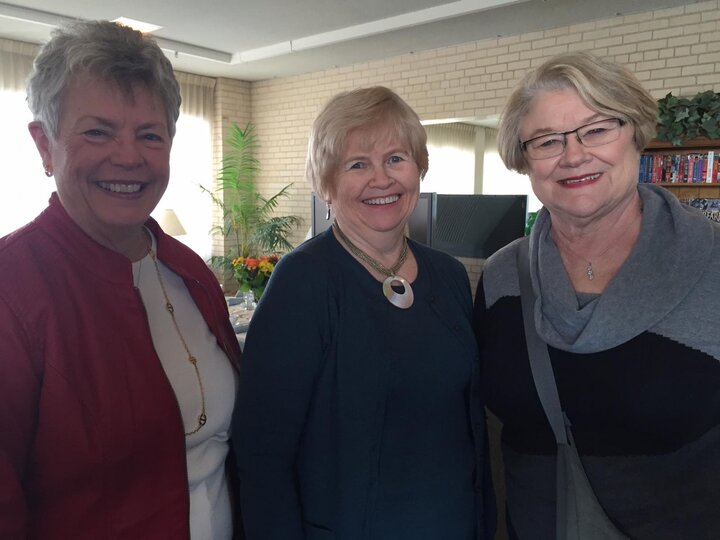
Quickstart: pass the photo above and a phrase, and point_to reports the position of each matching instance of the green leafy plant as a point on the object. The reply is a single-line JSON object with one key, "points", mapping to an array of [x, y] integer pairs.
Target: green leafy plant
{"points": [[680, 119], [249, 226]]}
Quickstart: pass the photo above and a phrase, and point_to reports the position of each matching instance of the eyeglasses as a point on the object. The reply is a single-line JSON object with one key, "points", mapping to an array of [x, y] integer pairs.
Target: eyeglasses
{"points": [[590, 135]]}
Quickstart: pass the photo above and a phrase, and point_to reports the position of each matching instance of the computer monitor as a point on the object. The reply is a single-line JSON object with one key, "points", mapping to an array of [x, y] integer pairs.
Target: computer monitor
{"points": [[477, 225], [418, 223], [462, 225], [318, 212]]}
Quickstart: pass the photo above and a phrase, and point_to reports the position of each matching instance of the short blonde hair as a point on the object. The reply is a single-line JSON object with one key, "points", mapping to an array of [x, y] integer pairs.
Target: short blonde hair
{"points": [[360, 109], [605, 86]]}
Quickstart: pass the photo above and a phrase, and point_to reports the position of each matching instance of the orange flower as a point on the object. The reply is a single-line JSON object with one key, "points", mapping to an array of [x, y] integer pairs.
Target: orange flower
{"points": [[253, 273], [265, 266]]}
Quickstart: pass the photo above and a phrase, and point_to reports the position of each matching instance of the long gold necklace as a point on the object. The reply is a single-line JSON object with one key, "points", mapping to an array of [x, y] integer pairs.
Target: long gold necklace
{"points": [[402, 300], [202, 418]]}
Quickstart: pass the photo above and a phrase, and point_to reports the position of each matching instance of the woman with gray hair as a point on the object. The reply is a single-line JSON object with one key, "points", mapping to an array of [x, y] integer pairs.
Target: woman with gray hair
{"points": [[117, 358], [613, 292], [360, 385]]}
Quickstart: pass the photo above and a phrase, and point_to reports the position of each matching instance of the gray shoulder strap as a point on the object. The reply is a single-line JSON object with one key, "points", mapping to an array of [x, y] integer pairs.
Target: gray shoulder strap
{"points": [[540, 365]]}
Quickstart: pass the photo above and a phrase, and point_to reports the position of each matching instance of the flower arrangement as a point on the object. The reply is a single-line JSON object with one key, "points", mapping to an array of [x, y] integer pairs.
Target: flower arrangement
{"points": [[253, 273]]}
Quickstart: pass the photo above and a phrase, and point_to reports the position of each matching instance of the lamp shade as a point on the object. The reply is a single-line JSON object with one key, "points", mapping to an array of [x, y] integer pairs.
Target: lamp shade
{"points": [[170, 223]]}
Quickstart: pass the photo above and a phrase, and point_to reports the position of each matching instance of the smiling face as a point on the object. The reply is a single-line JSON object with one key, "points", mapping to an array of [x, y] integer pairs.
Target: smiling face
{"points": [[582, 183], [110, 158], [376, 185]]}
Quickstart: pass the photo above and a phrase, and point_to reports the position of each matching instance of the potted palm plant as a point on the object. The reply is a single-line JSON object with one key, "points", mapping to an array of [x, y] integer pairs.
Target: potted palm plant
{"points": [[251, 230]]}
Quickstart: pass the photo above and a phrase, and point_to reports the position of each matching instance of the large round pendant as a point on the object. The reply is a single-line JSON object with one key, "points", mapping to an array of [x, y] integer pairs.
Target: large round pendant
{"points": [[402, 300]]}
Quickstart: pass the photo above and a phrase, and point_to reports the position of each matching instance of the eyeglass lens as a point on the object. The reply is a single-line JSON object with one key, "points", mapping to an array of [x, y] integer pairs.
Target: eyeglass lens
{"points": [[590, 135]]}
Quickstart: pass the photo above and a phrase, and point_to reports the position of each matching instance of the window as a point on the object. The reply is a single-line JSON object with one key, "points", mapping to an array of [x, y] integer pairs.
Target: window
{"points": [[25, 189], [498, 180], [191, 164], [451, 149]]}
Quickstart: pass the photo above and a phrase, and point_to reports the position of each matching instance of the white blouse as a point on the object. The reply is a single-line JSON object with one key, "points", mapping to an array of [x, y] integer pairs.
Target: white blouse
{"points": [[206, 450]]}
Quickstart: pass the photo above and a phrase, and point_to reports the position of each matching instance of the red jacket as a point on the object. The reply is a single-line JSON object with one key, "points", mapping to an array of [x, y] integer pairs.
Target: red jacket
{"points": [[91, 438]]}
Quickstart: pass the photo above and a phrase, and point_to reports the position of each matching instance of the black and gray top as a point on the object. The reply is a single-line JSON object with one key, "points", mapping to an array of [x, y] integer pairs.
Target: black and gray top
{"points": [[637, 369]]}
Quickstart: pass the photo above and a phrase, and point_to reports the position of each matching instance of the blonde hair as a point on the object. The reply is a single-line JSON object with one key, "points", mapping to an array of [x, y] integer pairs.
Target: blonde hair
{"points": [[360, 109], [605, 86]]}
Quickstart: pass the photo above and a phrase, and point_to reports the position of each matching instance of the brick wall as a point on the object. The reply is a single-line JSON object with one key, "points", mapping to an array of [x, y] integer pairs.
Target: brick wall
{"points": [[674, 50], [232, 104], [671, 50]]}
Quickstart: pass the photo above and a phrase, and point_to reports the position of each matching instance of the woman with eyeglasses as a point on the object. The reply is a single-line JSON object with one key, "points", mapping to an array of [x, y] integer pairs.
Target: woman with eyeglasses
{"points": [[623, 282]]}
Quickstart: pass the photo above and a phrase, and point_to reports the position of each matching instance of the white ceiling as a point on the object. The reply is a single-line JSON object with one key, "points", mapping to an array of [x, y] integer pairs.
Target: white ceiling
{"points": [[277, 38]]}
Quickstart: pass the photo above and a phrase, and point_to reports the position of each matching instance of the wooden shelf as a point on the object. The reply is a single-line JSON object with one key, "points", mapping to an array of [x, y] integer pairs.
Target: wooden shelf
{"points": [[687, 146], [699, 185], [684, 190], [693, 191]]}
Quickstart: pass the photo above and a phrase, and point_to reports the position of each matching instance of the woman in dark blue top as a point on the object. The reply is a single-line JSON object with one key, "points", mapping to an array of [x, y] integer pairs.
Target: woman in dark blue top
{"points": [[358, 415]]}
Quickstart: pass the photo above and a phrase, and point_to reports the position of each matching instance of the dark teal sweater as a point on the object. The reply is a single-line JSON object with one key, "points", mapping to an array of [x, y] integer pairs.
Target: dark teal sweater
{"points": [[356, 419]]}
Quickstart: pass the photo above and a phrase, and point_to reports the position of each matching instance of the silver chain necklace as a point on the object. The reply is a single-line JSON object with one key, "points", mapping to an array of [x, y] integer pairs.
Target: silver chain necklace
{"points": [[402, 300], [589, 272]]}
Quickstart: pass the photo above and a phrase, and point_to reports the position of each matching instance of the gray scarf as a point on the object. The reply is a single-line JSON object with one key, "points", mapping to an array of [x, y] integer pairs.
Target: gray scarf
{"points": [[668, 260]]}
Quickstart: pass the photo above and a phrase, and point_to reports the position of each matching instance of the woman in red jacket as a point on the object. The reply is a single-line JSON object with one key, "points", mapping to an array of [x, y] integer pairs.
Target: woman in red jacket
{"points": [[117, 359]]}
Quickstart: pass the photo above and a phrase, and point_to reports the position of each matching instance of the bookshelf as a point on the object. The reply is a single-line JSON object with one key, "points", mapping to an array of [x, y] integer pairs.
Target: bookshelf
{"points": [[676, 163]]}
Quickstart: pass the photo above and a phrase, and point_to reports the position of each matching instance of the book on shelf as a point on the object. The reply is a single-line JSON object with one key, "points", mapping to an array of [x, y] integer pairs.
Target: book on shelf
{"points": [[709, 178], [708, 206], [682, 168]]}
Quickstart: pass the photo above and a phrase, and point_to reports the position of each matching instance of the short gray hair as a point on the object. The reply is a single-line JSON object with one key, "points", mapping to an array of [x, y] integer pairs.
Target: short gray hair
{"points": [[606, 87], [104, 49], [358, 109]]}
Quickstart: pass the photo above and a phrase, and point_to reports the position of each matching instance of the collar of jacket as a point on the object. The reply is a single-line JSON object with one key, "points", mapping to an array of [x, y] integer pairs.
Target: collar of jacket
{"points": [[107, 264]]}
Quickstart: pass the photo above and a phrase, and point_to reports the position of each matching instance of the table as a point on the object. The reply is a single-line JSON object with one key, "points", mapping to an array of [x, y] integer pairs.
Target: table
{"points": [[240, 319]]}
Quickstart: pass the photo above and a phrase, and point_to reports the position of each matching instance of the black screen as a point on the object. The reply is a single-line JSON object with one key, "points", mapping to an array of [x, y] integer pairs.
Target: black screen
{"points": [[461, 225], [319, 211], [477, 225], [420, 222]]}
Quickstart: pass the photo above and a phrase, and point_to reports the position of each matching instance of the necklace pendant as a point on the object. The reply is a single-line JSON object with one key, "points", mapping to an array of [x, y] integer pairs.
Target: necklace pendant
{"points": [[402, 300], [589, 272], [202, 419]]}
